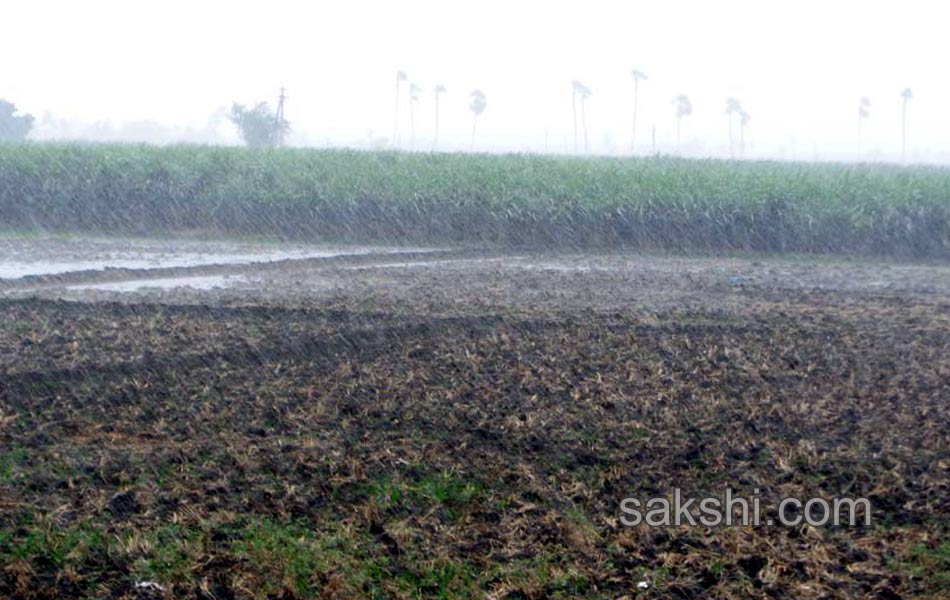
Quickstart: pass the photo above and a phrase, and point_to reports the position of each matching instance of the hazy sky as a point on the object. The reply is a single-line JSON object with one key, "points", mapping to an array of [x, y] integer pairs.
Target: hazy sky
{"points": [[799, 67]]}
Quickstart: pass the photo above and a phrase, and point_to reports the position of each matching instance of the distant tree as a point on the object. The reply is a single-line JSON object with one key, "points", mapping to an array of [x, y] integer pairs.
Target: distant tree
{"points": [[400, 77], [258, 126], [864, 111], [733, 107], [414, 91], [437, 91], [906, 96], [582, 91], [13, 127], [638, 76], [476, 103], [684, 108], [744, 119]]}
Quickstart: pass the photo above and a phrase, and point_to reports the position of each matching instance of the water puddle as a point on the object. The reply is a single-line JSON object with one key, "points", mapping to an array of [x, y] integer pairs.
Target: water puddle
{"points": [[208, 282], [560, 267], [506, 262], [428, 263], [38, 257]]}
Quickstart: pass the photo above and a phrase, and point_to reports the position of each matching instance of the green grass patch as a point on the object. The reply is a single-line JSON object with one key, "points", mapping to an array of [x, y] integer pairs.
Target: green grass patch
{"points": [[10, 461], [451, 493], [50, 545], [928, 565]]}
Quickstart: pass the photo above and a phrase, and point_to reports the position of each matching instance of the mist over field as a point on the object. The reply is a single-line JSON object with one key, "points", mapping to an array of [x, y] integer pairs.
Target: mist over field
{"points": [[799, 70]]}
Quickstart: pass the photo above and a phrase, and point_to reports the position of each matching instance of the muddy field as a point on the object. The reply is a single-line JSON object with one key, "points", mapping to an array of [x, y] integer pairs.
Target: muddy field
{"points": [[373, 422]]}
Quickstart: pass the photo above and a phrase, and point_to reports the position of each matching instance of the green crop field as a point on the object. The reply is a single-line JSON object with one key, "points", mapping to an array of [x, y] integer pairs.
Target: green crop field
{"points": [[506, 200]]}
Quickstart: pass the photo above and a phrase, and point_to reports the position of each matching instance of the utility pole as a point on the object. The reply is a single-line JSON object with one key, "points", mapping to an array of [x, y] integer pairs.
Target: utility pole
{"points": [[279, 117]]}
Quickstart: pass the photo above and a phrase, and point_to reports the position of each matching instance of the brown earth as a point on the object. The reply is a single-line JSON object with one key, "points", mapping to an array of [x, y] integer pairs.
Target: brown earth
{"points": [[468, 426]]}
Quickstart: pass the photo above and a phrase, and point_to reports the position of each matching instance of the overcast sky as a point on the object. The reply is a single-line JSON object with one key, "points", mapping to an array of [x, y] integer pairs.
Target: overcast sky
{"points": [[798, 67]]}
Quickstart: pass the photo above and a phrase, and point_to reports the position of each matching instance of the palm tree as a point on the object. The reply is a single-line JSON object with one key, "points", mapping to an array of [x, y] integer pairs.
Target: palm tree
{"points": [[437, 91], [906, 95], [579, 89], [476, 104], [575, 85], [684, 108], [744, 119], [864, 111], [400, 77], [414, 91], [585, 94], [732, 107], [638, 76]]}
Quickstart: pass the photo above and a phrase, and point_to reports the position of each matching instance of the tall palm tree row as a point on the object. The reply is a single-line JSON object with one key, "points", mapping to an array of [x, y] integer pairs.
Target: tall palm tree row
{"points": [[581, 93]]}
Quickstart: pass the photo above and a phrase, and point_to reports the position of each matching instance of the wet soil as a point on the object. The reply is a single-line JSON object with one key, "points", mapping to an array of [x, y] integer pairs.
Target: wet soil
{"points": [[466, 424]]}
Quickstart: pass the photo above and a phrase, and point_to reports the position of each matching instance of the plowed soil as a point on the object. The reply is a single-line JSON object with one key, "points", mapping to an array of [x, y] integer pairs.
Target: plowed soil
{"points": [[466, 426]]}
